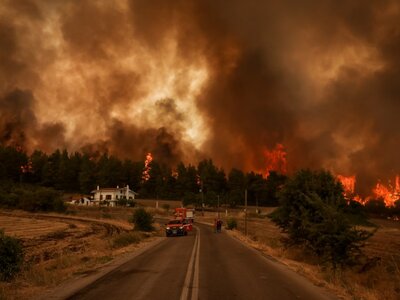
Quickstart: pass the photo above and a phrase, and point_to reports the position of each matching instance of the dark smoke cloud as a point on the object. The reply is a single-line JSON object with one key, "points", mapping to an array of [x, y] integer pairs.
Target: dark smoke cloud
{"points": [[50, 136], [19, 126], [159, 141], [16, 117], [320, 77]]}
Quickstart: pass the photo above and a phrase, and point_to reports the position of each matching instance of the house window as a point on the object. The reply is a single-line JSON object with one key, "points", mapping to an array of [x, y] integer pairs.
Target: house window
{"points": [[108, 197], [101, 197]]}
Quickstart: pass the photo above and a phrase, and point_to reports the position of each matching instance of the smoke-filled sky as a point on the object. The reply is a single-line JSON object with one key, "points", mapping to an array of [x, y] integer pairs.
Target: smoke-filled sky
{"points": [[187, 80]]}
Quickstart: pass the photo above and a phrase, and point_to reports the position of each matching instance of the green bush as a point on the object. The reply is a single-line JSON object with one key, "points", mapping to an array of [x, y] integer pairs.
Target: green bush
{"points": [[142, 220], [313, 213], [11, 256], [126, 202], [122, 202], [231, 223], [130, 203]]}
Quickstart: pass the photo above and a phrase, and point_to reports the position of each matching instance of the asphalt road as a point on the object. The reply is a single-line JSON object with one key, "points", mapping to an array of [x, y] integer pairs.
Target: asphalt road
{"points": [[202, 265]]}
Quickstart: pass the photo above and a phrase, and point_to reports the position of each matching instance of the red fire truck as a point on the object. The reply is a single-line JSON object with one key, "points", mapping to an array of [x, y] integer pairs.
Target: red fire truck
{"points": [[183, 223], [186, 215]]}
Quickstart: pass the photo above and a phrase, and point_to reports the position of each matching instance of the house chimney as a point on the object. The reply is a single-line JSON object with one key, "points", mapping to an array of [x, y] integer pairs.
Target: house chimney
{"points": [[117, 186], [98, 187]]}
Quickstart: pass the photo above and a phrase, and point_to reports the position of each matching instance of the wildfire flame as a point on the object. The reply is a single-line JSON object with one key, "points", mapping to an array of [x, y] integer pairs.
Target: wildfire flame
{"points": [[147, 167], [276, 160], [349, 183], [389, 194]]}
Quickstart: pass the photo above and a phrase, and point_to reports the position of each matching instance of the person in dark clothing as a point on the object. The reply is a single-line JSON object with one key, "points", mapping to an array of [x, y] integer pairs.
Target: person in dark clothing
{"points": [[219, 225]]}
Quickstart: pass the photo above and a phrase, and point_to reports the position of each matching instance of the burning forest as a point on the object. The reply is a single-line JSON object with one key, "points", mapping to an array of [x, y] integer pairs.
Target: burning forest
{"points": [[259, 87]]}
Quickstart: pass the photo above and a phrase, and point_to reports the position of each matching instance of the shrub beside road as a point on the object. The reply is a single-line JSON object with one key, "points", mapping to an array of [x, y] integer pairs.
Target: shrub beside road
{"points": [[11, 256]]}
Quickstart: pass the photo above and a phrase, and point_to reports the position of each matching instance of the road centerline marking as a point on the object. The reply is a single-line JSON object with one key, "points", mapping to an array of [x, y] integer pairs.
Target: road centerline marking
{"points": [[195, 286], [189, 272]]}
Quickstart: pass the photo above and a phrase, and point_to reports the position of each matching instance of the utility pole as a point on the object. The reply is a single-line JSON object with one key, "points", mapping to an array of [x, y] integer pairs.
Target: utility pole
{"points": [[202, 199], [218, 206], [245, 212]]}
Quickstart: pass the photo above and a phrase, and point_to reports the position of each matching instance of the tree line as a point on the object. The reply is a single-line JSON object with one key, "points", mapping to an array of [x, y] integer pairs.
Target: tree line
{"points": [[81, 173], [205, 183]]}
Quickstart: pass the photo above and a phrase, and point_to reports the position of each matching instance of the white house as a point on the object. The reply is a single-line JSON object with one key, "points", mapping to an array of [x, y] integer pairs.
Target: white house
{"points": [[110, 196]]}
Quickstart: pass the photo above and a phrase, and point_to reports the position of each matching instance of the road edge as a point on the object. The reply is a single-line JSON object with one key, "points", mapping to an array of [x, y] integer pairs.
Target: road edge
{"points": [[74, 285], [328, 293]]}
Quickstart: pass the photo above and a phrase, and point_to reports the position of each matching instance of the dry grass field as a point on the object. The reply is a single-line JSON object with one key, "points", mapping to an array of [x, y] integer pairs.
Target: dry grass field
{"points": [[376, 279], [27, 228], [58, 247]]}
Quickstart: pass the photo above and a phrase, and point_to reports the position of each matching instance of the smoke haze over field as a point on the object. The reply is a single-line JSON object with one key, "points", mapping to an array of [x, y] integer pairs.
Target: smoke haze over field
{"points": [[187, 80]]}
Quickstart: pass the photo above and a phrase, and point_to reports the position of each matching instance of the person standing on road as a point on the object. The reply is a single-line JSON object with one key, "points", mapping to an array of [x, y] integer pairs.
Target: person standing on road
{"points": [[219, 225]]}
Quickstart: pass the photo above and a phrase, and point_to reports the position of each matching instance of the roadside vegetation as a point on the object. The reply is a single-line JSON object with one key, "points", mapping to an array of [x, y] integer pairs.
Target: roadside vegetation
{"points": [[11, 256], [313, 213], [231, 223], [142, 220]]}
